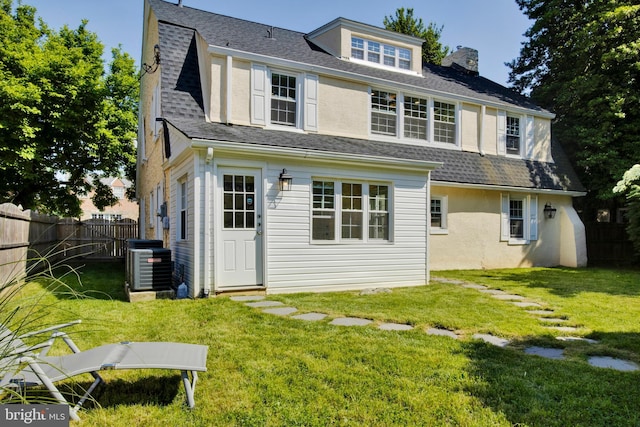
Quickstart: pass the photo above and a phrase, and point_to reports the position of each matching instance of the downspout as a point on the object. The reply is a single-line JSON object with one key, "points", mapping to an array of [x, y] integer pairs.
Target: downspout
{"points": [[229, 88], [483, 112], [428, 230]]}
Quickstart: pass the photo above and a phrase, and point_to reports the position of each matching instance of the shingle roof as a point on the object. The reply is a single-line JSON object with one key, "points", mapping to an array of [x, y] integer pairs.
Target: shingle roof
{"points": [[182, 103], [246, 36]]}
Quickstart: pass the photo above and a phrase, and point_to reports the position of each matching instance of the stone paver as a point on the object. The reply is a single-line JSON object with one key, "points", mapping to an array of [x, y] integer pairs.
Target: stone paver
{"points": [[613, 363], [507, 297], [243, 298], [395, 327], [474, 286], [525, 304], [548, 353], [442, 332], [580, 339], [350, 321], [491, 339], [540, 312], [310, 316], [259, 304], [552, 320], [493, 291], [564, 328], [280, 311]]}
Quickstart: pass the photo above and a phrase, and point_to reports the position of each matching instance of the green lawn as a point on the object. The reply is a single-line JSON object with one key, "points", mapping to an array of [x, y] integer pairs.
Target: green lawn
{"points": [[266, 370]]}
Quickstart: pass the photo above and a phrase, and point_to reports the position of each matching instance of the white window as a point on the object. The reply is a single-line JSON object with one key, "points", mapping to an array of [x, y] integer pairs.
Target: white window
{"points": [[444, 122], [380, 54], [519, 214], [152, 209], [415, 117], [513, 135], [383, 113], [183, 198], [324, 211], [516, 134], [282, 98], [378, 212], [357, 48], [343, 211], [439, 212], [155, 112]]}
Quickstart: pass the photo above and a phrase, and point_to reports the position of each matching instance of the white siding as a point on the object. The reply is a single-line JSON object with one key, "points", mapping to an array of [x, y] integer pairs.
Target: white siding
{"points": [[182, 251], [295, 264]]}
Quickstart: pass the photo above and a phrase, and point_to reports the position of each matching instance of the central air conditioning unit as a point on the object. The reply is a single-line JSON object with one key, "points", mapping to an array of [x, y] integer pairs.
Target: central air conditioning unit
{"points": [[137, 244], [150, 269]]}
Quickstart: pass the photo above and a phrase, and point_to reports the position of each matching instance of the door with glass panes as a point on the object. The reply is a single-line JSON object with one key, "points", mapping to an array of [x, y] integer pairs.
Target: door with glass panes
{"points": [[240, 245]]}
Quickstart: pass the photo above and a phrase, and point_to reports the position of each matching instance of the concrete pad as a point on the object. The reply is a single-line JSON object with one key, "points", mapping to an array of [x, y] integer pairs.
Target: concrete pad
{"points": [[548, 353], [525, 304], [499, 342], [474, 286], [613, 363], [280, 311], [507, 297], [395, 327], [581, 339], [310, 316], [442, 332], [243, 298], [350, 321], [259, 304]]}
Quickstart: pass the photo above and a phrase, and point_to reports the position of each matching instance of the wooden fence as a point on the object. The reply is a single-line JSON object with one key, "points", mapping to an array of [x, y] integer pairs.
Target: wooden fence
{"points": [[95, 238], [26, 238], [608, 244]]}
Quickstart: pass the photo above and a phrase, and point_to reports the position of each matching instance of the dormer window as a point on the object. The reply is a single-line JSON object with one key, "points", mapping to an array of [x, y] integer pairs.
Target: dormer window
{"points": [[513, 135], [379, 53]]}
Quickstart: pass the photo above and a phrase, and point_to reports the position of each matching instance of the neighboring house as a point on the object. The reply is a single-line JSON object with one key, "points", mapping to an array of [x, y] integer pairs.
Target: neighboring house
{"points": [[392, 169], [124, 209]]}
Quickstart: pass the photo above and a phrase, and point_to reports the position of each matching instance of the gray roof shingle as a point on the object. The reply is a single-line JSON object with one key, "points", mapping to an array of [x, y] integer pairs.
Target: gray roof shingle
{"points": [[182, 102]]}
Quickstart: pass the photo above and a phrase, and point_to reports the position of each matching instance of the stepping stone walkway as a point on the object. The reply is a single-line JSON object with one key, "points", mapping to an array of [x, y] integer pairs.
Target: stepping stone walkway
{"points": [[442, 332], [314, 317], [395, 327], [350, 321], [545, 316], [613, 363], [548, 353]]}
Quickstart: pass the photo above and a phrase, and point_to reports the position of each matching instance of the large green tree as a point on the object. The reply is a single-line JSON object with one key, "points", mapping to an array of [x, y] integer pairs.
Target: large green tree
{"points": [[61, 114], [582, 61], [404, 22]]}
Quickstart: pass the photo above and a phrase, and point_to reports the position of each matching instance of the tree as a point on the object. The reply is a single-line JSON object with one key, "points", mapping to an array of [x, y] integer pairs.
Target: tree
{"points": [[432, 49], [582, 61], [61, 114], [629, 185]]}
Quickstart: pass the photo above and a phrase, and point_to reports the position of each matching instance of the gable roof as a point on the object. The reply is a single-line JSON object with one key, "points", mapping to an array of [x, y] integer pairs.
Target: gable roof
{"points": [[182, 103]]}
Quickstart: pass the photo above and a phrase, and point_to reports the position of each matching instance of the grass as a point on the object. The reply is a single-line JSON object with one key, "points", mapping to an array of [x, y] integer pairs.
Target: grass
{"points": [[266, 370]]}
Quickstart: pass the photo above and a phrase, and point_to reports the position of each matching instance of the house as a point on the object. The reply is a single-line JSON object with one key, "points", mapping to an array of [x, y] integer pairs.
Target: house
{"points": [[124, 209], [275, 160]]}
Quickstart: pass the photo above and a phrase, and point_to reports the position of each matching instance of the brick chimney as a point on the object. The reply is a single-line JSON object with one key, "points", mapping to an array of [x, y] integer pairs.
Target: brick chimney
{"points": [[464, 59]]}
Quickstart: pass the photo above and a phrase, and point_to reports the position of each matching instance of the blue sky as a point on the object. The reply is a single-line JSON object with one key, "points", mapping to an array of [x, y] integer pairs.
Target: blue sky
{"points": [[494, 27]]}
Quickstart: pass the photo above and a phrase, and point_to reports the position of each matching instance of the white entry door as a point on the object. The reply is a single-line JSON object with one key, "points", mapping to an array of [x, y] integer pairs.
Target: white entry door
{"points": [[240, 245]]}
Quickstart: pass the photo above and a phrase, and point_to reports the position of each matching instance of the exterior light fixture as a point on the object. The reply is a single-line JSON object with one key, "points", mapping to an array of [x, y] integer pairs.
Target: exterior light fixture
{"points": [[285, 180], [549, 211]]}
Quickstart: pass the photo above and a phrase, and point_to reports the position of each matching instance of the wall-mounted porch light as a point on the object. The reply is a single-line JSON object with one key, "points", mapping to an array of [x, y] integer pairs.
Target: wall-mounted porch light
{"points": [[549, 211], [285, 180]]}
